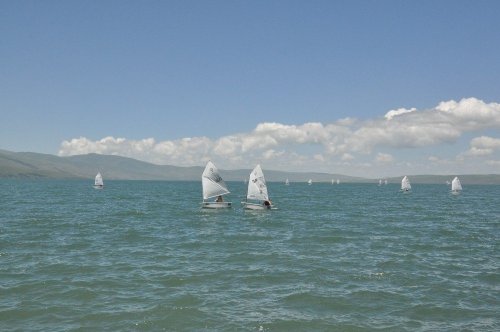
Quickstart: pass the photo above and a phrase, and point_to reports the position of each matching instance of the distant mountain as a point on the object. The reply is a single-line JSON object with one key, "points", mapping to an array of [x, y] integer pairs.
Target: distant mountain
{"points": [[37, 165]]}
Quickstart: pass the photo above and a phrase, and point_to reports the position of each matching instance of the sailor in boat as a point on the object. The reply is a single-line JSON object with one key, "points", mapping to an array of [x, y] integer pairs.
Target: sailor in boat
{"points": [[267, 204], [219, 199]]}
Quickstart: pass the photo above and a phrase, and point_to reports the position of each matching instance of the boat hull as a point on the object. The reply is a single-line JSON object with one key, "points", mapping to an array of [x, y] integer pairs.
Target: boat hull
{"points": [[216, 205], [256, 206], [98, 187]]}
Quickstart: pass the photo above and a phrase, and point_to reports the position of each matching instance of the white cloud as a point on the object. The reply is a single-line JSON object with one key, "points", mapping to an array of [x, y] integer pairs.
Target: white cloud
{"points": [[412, 129], [434, 159], [228, 145], [270, 154], [438, 160], [310, 144], [384, 158], [483, 146], [319, 157], [493, 162], [389, 115], [347, 157], [487, 143]]}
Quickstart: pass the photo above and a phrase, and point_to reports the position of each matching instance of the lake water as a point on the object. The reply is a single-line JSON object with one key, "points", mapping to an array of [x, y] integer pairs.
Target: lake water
{"points": [[143, 256]]}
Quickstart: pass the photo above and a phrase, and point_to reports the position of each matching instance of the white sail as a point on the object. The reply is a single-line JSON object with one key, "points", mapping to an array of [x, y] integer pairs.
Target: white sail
{"points": [[380, 182], [287, 182], [310, 181], [405, 184], [385, 181], [98, 180], [338, 181], [257, 188], [212, 182], [456, 185]]}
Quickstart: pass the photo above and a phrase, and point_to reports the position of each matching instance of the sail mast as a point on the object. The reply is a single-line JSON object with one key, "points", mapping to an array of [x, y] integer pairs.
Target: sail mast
{"points": [[212, 183], [456, 185], [405, 183], [257, 188], [98, 180]]}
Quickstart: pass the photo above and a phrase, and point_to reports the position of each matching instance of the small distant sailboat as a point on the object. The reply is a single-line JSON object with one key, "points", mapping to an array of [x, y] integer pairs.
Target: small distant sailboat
{"points": [[98, 183], [405, 184], [379, 182], [257, 195], [333, 181], [287, 183], [338, 181], [310, 181], [385, 182], [213, 186], [456, 186]]}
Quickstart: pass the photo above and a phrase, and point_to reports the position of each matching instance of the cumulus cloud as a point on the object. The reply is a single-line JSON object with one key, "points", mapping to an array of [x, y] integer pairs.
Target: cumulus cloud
{"points": [[184, 151], [270, 154], [347, 157], [389, 115], [340, 141], [493, 162], [483, 146], [384, 158]]}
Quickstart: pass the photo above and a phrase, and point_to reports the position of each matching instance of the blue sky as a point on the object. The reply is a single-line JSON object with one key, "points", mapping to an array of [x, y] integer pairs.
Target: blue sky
{"points": [[241, 82]]}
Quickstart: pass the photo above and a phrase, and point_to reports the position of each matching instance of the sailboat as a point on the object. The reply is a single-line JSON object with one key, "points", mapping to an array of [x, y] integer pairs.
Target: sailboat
{"points": [[405, 184], [310, 181], [385, 181], [98, 183], [338, 181], [379, 182], [287, 183], [213, 186], [257, 196], [456, 186]]}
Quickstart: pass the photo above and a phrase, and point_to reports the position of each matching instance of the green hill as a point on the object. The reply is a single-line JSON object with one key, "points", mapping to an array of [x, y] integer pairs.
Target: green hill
{"points": [[37, 165]]}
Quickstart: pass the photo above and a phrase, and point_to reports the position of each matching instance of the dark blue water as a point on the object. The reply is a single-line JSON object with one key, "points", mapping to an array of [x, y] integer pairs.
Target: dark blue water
{"points": [[142, 256]]}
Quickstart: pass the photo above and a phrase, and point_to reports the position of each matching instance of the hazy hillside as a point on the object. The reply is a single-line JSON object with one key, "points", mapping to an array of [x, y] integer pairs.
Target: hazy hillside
{"points": [[37, 165], [27, 164]]}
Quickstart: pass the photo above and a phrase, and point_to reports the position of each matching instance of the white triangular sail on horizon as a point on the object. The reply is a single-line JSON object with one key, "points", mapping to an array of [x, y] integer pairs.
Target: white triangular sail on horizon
{"points": [[456, 186], [98, 180], [213, 186], [380, 182], [257, 195], [257, 188], [212, 183], [405, 184], [309, 182], [287, 182]]}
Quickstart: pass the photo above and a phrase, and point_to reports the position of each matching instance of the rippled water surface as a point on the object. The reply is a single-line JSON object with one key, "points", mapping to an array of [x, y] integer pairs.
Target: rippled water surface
{"points": [[143, 256]]}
